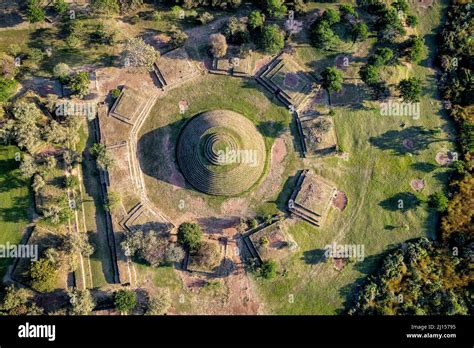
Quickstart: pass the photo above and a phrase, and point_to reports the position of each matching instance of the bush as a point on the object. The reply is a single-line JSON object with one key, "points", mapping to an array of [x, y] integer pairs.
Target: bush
{"points": [[8, 89], [275, 8], [115, 93], [114, 200], [190, 235], [178, 38], [71, 182], [205, 17], [125, 300], [159, 303], [268, 270]]}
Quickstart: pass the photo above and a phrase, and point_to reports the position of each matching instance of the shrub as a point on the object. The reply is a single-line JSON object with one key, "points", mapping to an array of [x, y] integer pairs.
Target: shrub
{"points": [[125, 300], [8, 89], [103, 157], [190, 235], [268, 270], [205, 17]]}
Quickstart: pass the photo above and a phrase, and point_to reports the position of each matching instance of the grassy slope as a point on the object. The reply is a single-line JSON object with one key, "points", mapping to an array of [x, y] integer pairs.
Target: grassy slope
{"points": [[208, 93], [14, 201], [371, 176]]}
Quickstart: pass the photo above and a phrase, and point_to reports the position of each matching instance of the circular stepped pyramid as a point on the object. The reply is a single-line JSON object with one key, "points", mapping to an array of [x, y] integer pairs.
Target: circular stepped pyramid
{"points": [[221, 153]]}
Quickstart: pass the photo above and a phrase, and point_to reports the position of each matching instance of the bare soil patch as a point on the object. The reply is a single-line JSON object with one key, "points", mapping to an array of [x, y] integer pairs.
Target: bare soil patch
{"points": [[417, 184], [340, 200], [444, 158]]}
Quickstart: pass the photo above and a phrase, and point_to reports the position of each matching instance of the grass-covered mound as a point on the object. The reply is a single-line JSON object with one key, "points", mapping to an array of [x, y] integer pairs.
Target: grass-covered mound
{"points": [[221, 153]]}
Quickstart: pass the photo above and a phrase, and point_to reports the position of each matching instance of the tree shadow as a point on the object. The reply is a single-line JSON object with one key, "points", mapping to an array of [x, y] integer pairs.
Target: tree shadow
{"points": [[313, 257], [403, 201], [154, 140], [419, 139], [425, 167], [271, 129]]}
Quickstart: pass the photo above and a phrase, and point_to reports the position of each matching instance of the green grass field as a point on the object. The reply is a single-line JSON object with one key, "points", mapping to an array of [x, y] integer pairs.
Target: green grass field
{"points": [[15, 201], [376, 176]]}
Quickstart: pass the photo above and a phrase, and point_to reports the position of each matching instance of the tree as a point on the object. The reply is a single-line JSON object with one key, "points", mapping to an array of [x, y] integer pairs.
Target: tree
{"points": [[81, 301], [25, 129], [125, 300], [218, 45], [159, 303], [75, 244], [323, 36], [154, 248], [103, 157], [114, 200], [275, 8], [34, 12], [268, 269], [360, 32], [18, 301], [208, 255], [410, 89], [105, 6], [439, 201], [256, 20], [369, 74], [79, 83], [332, 79], [43, 275], [174, 253], [190, 235], [415, 48], [139, 54], [236, 31], [273, 39], [381, 57]]}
